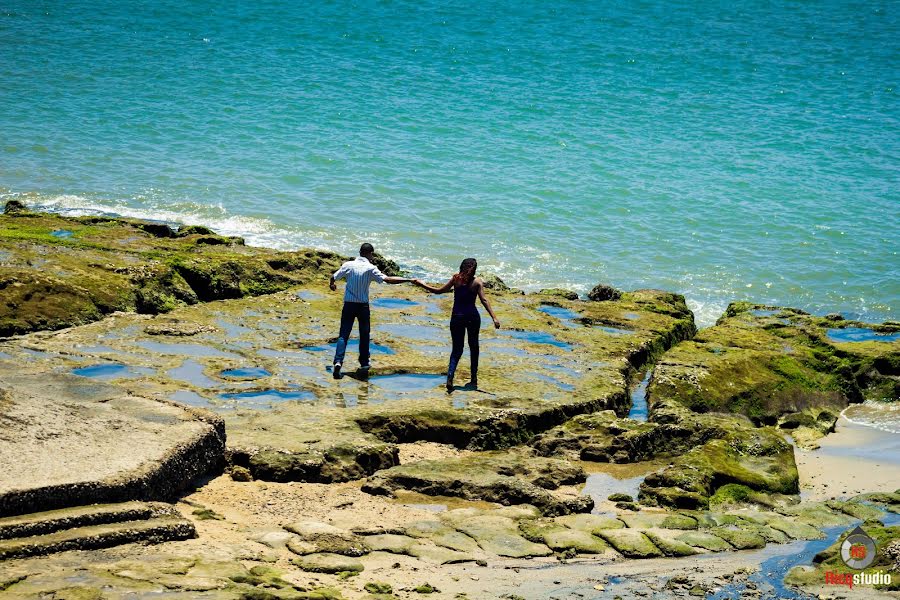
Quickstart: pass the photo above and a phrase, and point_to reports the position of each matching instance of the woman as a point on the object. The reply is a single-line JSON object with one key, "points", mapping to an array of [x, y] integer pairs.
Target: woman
{"points": [[465, 317]]}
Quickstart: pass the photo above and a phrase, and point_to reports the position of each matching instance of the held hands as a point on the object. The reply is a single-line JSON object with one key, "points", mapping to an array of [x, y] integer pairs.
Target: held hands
{"points": [[333, 286]]}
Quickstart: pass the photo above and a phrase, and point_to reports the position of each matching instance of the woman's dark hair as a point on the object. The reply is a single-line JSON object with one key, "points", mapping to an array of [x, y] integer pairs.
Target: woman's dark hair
{"points": [[466, 272]]}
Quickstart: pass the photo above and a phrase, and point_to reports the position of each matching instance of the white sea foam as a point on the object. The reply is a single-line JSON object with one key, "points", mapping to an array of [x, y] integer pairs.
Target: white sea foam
{"points": [[518, 264], [884, 416]]}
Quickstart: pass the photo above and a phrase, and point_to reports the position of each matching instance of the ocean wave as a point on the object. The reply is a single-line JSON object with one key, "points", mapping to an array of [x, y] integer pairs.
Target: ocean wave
{"points": [[520, 263], [884, 416]]}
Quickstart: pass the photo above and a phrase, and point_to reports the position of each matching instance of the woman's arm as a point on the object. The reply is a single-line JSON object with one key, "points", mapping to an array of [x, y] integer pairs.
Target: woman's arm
{"points": [[435, 290], [486, 302]]}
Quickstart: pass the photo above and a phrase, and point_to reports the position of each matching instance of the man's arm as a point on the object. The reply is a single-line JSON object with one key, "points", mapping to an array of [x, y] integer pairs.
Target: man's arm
{"points": [[380, 277], [339, 274], [395, 280]]}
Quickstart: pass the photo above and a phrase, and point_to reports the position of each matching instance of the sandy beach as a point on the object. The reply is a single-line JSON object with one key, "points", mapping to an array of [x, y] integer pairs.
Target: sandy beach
{"points": [[852, 460]]}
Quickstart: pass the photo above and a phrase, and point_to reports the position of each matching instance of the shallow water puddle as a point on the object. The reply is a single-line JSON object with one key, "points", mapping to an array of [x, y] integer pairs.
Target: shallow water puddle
{"points": [[554, 381], [416, 332], [600, 485], [112, 371], [308, 295], [563, 369], [190, 398], [352, 348], [861, 334], [565, 315], [305, 370], [632, 316], [246, 373], [614, 330], [391, 303], [407, 382], [97, 349], [185, 349], [232, 330], [538, 337], [191, 372], [775, 560], [502, 347], [269, 353], [639, 407], [433, 349], [63, 234], [264, 398]]}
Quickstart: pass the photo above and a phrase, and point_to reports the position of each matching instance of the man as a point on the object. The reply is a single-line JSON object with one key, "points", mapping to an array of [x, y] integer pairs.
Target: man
{"points": [[359, 274]]}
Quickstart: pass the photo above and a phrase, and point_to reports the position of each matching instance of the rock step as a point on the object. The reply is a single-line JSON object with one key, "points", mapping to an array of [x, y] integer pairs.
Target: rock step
{"points": [[43, 523], [155, 530]]}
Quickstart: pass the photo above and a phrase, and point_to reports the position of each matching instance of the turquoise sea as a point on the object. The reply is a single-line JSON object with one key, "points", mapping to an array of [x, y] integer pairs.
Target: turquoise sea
{"points": [[725, 150]]}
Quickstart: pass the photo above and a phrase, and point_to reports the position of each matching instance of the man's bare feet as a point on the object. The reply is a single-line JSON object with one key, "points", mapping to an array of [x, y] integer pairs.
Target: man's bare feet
{"points": [[449, 385]]}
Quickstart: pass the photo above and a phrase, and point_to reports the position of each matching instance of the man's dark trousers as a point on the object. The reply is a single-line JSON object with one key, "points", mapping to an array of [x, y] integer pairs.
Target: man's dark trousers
{"points": [[360, 312]]}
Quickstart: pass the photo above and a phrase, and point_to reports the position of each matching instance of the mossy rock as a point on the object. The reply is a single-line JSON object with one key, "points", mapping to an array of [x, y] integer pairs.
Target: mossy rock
{"points": [[442, 535], [742, 538], [769, 534], [494, 283], [433, 553], [560, 538], [14, 206], [502, 477], [830, 559], [378, 587], [647, 520], [620, 497], [559, 293], [668, 542], [590, 523], [816, 514], [426, 588], [754, 458], [501, 536], [327, 563], [630, 543], [704, 540], [796, 530], [856, 510], [390, 542], [604, 293], [329, 539], [776, 365], [580, 541], [731, 494], [111, 264]]}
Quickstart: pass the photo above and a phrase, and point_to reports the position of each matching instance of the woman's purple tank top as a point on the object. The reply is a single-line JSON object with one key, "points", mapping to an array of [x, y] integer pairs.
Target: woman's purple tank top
{"points": [[464, 300]]}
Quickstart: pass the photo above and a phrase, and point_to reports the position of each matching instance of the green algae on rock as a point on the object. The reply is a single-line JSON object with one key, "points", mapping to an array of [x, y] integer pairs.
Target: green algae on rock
{"points": [[757, 458], [118, 264], [504, 477], [775, 365], [829, 560]]}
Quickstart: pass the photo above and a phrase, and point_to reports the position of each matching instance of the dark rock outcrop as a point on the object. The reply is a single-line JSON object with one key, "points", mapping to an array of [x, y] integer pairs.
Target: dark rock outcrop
{"points": [[603, 293]]}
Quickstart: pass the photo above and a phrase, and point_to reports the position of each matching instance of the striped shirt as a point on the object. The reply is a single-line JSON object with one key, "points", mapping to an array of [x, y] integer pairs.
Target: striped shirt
{"points": [[359, 274]]}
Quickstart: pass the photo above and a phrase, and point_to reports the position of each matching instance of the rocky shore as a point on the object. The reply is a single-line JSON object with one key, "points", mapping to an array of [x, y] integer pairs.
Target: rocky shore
{"points": [[179, 377]]}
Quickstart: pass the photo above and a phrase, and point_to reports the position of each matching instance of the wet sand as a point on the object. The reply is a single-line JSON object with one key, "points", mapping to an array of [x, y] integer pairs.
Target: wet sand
{"points": [[852, 460]]}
